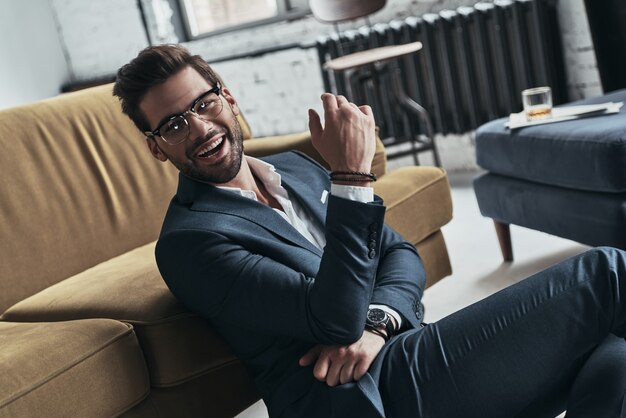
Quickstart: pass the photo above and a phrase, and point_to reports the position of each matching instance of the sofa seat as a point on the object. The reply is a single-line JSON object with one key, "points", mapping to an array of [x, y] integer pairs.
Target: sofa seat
{"points": [[587, 154], [178, 345], [70, 369]]}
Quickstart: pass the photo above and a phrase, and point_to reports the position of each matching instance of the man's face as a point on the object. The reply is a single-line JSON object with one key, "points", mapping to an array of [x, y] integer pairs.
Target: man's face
{"points": [[213, 150]]}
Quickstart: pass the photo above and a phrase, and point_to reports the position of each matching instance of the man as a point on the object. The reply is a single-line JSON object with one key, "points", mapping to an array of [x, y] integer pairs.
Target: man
{"points": [[321, 300]]}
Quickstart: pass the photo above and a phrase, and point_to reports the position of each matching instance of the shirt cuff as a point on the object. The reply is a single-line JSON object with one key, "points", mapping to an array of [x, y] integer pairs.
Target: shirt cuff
{"points": [[391, 312], [356, 193]]}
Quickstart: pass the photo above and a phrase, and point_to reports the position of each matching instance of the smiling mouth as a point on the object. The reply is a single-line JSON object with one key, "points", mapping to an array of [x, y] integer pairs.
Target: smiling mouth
{"points": [[210, 148]]}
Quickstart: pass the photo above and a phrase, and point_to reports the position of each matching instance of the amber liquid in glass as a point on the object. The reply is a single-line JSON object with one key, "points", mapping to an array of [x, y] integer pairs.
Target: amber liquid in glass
{"points": [[539, 113]]}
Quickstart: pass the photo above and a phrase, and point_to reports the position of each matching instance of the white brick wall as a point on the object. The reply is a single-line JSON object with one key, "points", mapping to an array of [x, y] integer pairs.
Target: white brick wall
{"points": [[583, 79], [99, 36], [159, 20], [275, 92]]}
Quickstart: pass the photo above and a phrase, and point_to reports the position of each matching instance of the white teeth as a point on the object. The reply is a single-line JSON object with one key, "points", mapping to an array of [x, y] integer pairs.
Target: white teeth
{"points": [[210, 146]]}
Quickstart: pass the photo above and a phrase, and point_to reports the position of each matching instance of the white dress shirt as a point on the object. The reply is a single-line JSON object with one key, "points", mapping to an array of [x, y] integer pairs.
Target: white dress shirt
{"points": [[296, 215]]}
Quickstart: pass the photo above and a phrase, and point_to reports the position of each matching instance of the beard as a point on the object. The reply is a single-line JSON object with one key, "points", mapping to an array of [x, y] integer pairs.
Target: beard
{"points": [[229, 166]]}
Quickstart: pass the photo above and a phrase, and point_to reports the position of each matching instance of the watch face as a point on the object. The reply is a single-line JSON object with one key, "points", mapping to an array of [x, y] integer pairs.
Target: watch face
{"points": [[376, 316]]}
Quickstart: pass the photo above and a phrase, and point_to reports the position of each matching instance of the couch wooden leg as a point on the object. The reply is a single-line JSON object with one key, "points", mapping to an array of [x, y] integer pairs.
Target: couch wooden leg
{"points": [[504, 237]]}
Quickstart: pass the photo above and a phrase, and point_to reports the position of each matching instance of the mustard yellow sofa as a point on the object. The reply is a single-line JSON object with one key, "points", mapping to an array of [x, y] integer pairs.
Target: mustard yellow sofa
{"points": [[88, 328]]}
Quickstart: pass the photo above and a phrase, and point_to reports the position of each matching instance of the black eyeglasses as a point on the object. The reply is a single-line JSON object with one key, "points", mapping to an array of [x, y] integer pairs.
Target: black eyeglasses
{"points": [[206, 108]]}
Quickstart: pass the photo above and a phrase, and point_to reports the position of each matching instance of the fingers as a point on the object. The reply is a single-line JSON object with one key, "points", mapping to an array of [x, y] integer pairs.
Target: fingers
{"points": [[342, 364], [360, 369], [315, 124], [347, 373], [336, 365], [332, 103], [329, 101], [366, 110], [330, 366], [334, 371], [342, 101], [320, 371], [310, 356]]}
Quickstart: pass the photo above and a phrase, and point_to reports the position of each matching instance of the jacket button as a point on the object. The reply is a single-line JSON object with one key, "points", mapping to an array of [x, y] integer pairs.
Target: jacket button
{"points": [[372, 254], [371, 245], [373, 235], [419, 310], [374, 227]]}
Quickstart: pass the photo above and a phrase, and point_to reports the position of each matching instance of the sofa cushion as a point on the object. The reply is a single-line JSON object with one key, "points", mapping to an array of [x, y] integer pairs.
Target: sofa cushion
{"points": [[178, 345], [70, 369], [417, 199], [584, 154], [80, 187]]}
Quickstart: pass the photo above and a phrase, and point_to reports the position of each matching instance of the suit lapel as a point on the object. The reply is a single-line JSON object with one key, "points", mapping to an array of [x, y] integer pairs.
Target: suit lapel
{"points": [[309, 197], [207, 198]]}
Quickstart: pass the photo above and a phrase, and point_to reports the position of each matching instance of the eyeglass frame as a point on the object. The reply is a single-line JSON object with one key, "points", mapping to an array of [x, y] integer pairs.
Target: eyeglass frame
{"points": [[217, 89]]}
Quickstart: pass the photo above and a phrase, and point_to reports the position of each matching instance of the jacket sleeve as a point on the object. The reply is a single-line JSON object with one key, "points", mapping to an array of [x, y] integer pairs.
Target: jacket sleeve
{"points": [[223, 281], [401, 279]]}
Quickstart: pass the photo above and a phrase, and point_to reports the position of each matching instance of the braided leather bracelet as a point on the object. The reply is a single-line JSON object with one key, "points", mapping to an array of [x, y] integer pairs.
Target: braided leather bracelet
{"points": [[356, 176]]}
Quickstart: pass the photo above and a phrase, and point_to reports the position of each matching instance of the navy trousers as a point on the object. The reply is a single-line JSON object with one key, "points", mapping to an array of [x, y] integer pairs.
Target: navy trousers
{"points": [[552, 342]]}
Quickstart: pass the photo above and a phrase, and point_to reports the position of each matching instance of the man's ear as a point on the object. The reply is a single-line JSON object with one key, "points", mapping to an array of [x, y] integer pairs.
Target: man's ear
{"points": [[231, 101], [155, 150]]}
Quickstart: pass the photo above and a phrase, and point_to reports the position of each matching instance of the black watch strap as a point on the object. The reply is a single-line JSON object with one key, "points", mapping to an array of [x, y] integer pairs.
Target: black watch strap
{"points": [[390, 330], [378, 332]]}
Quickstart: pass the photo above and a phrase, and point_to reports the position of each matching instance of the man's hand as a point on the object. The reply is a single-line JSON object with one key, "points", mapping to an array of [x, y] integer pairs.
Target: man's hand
{"points": [[342, 364], [347, 141]]}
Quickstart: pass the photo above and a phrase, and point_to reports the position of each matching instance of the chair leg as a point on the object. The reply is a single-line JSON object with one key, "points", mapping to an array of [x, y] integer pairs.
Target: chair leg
{"points": [[504, 238]]}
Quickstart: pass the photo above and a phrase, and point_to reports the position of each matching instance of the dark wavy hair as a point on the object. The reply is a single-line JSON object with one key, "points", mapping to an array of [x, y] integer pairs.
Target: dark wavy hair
{"points": [[153, 66]]}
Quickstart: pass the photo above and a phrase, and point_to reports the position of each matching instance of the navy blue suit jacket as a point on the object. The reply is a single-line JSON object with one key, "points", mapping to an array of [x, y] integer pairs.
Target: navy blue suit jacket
{"points": [[273, 295]]}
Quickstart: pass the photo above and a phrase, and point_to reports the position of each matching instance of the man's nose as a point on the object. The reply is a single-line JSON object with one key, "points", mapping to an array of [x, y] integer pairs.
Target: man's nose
{"points": [[197, 125]]}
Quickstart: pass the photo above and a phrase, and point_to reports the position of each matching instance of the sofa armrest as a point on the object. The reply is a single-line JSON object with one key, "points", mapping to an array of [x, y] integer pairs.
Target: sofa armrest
{"points": [[419, 203], [418, 200], [260, 147]]}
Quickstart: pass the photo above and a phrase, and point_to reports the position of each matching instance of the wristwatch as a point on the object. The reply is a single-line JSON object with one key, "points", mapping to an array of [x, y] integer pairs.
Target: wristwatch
{"points": [[377, 319]]}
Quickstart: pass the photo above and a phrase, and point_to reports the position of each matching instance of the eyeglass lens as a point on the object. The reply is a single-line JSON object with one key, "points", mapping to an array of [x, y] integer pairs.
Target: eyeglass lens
{"points": [[176, 130]]}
